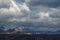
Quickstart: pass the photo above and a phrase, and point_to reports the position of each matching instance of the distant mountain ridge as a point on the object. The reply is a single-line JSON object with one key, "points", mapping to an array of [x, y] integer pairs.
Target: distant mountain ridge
{"points": [[18, 30], [10, 30]]}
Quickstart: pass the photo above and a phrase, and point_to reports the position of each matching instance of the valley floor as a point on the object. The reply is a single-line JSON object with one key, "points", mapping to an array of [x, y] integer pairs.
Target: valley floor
{"points": [[29, 37]]}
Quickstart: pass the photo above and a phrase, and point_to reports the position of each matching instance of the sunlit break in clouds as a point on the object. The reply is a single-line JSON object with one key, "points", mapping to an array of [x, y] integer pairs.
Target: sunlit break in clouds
{"points": [[36, 15]]}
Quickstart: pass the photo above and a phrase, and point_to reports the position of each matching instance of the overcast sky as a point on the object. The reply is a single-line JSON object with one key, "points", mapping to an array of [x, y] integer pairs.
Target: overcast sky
{"points": [[46, 12]]}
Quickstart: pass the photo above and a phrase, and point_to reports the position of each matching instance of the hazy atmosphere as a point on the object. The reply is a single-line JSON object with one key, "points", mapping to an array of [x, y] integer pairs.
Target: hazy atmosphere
{"points": [[35, 15]]}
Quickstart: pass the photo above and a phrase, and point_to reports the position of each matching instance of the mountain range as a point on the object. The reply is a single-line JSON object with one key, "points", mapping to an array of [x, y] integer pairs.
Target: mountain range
{"points": [[19, 30]]}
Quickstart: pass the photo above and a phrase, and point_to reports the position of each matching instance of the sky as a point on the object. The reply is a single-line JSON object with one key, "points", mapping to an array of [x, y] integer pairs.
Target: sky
{"points": [[44, 14]]}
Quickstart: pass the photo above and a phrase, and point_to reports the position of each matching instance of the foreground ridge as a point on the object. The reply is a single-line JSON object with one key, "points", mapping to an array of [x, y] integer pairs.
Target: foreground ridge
{"points": [[29, 37]]}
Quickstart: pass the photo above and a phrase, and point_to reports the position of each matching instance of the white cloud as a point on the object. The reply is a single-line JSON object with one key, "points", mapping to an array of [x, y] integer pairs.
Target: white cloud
{"points": [[14, 11], [15, 6], [25, 7], [23, 12]]}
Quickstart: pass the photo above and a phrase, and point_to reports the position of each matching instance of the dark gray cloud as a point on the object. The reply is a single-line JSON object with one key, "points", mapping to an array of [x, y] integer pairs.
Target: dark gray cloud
{"points": [[49, 3], [4, 4], [38, 13], [57, 15], [20, 1]]}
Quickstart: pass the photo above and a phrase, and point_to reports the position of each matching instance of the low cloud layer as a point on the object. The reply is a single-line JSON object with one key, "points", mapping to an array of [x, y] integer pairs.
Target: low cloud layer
{"points": [[34, 11]]}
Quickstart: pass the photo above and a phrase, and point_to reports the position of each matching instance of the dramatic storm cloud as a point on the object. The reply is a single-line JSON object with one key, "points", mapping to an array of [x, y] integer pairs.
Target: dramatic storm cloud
{"points": [[50, 3], [41, 13]]}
